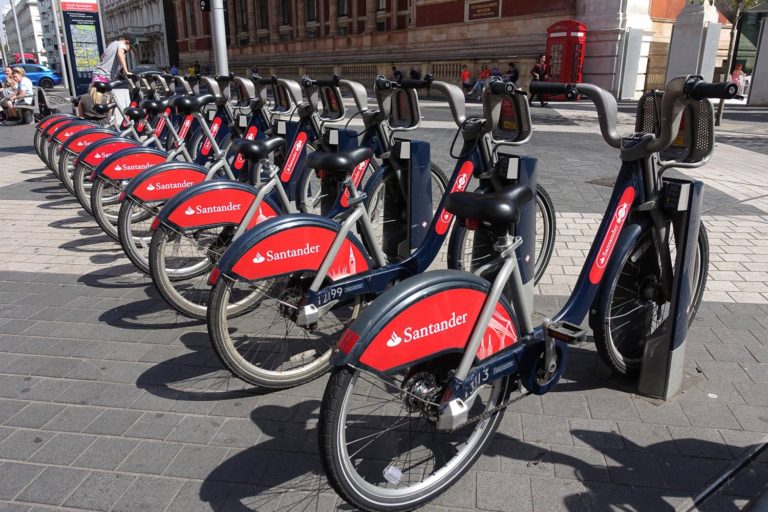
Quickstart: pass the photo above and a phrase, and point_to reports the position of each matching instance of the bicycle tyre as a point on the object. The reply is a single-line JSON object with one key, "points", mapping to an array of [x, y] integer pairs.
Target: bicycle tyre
{"points": [[66, 170], [104, 198], [53, 157], [185, 288], [133, 230], [460, 246], [82, 185], [334, 430], [274, 295], [622, 351], [375, 189]]}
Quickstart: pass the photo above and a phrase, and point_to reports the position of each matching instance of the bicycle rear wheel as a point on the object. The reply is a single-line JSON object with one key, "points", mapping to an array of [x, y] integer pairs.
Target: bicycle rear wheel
{"points": [[82, 185], [266, 347], [632, 311], [134, 230], [379, 443], [471, 249], [105, 205]]}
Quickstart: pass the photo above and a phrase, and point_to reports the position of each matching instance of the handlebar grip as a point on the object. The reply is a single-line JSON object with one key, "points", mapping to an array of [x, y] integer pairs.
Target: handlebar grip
{"points": [[225, 78], [333, 82], [717, 90], [498, 87], [382, 84], [539, 87], [416, 84], [263, 81]]}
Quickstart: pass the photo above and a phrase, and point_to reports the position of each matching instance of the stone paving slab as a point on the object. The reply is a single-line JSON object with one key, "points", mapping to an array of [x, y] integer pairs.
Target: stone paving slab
{"points": [[109, 401]]}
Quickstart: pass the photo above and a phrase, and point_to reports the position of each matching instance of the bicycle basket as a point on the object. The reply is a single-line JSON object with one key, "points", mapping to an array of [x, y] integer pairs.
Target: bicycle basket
{"points": [[696, 136]]}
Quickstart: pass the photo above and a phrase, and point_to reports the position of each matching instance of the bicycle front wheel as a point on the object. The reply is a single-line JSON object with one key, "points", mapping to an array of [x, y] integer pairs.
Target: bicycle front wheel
{"points": [[82, 185], [469, 250], [633, 312], [105, 206], [266, 347], [379, 443]]}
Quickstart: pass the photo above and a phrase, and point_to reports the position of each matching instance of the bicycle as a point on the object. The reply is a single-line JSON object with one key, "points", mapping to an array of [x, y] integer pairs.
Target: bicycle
{"points": [[313, 275], [422, 377]]}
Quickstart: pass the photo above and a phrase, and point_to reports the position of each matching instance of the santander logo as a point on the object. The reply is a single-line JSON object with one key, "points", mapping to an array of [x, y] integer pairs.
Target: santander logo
{"points": [[169, 186], [221, 208], [461, 183], [416, 333], [293, 158], [612, 235], [286, 254], [132, 167]]}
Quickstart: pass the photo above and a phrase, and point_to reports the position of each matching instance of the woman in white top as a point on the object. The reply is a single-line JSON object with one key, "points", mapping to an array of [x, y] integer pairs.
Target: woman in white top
{"points": [[24, 93]]}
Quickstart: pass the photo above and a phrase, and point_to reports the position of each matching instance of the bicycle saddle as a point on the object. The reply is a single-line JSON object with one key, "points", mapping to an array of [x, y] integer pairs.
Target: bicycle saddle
{"points": [[254, 150], [104, 109], [496, 208], [154, 106], [339, 163], [191, 104], [103, 87], [135, 114]]}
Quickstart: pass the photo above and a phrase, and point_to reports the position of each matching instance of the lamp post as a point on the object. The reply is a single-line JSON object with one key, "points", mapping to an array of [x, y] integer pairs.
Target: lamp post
{"points": [[18, 33]]}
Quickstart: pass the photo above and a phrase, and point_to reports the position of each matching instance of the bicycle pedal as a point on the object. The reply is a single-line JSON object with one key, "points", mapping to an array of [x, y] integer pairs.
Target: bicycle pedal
{"points": [[567, 332]]}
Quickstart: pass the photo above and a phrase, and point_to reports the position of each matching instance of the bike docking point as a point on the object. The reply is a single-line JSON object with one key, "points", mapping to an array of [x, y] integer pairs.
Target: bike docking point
{"points": [[662, 372]]}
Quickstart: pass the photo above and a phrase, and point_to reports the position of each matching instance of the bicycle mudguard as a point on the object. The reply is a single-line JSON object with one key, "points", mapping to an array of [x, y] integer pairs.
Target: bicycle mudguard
{"points": [[291, 243], [62, 133], [80, 141], [129, 163], [99, 151], [214, 203], [48, 120], [163, 181], [426, 315]]}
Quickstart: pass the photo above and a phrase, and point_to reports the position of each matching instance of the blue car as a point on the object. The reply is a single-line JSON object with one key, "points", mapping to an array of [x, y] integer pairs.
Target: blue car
{"points": [[41, 76]]}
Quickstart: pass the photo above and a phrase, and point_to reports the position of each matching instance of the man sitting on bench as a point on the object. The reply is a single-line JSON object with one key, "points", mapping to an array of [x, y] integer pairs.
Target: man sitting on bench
{"points": [[23, 95]]}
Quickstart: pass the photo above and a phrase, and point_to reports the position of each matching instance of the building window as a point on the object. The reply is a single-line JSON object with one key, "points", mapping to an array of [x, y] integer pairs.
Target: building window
{"points": [[191, 17], [381, 5], [311, 10], [285, 12], [342, 7], [242, 14], [261, 13]]}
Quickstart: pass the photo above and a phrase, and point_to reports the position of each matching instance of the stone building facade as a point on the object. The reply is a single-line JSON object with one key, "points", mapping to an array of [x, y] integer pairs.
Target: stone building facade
{"points": [[30, 27], [144, 20], [360, 38]]}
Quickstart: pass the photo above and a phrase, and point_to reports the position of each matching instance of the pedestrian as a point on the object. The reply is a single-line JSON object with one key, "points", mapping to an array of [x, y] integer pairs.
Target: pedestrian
{"points": [[540, 73], [397, 75], [495, 71], [113, 61], [485, 73], [174, 70], [465, 78], [255, 70], [512, 74], [191, 70], [23, 94], [415, 75], [197, 68]]}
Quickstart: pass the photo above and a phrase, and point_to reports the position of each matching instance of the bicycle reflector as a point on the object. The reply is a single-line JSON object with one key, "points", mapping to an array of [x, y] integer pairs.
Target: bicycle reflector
{"points": [[347, 341]]}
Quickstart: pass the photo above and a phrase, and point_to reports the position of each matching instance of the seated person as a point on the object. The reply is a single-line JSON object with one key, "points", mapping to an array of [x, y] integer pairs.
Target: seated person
{"points": [[23, 94]]}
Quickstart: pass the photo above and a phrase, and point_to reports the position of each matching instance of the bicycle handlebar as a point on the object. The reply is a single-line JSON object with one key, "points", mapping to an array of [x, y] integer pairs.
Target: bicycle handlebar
{"points": [[424, 83], [569, 90], [309, 82], [718, 90], [263, 81]]}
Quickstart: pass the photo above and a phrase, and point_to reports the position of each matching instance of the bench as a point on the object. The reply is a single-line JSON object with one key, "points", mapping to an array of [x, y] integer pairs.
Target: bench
{"points": [[51, 103]]}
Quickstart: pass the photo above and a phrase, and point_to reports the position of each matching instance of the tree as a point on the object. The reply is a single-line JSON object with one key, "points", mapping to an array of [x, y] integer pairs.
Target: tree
{"points": [[733, 10]]}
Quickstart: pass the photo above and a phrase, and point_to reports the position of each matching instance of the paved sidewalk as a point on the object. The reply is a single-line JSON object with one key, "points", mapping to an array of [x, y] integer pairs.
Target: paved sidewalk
{"points": [[110, 401]]}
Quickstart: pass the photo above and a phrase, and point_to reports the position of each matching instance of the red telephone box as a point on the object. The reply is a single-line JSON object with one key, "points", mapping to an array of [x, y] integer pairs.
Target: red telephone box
{"points": [[565, 51]]}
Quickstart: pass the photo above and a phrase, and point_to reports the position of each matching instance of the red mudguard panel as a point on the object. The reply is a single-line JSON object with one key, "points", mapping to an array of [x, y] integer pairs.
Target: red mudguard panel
{"points": [[612, 235], [165, 185], [64, 135], [298, 249], [215, 126], [439, 323], [220, 206], [45, 123], [293, 157], [82, 143], [130, 166], [94, 158]]}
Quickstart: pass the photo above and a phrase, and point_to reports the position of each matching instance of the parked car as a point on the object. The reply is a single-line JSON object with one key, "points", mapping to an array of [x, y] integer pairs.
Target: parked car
{"points": [[41, 76]]}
